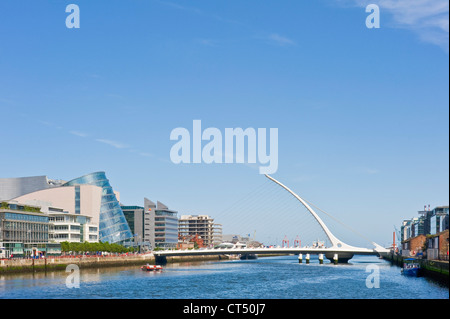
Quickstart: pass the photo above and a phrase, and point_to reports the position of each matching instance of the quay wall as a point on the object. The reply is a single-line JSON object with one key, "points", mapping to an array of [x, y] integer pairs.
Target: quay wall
{"points": [[436, 269], [83, 262]]}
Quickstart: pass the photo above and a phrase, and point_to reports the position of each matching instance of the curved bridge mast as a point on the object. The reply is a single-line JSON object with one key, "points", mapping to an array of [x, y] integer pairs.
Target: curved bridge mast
{"points": [[335, 242]]}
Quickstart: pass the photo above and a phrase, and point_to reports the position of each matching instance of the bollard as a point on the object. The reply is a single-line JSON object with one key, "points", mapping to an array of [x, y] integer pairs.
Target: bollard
{"points": [[321, 259], [300, 257], [335, 258], [307, 258]]}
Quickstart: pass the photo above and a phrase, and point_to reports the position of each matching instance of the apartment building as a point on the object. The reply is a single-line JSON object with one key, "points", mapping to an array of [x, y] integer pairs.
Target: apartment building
{"points": [[202, 226]]}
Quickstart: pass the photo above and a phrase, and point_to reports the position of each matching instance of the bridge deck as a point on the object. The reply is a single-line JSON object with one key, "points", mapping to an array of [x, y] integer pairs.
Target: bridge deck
{"points": [[266, 251]]}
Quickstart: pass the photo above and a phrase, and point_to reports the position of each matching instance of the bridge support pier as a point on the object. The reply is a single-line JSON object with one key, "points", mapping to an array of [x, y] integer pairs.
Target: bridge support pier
{"points": [[342, 258], [307, 258], [321, 259], [300, 258], [248, 256], [160, 260]]}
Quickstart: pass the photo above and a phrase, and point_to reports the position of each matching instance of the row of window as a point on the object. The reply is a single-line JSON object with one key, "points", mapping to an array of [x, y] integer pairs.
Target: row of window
{"points": [[70, 236], [23, 226], [165, 213], [64, 227], [24, 236], [167, 230], [64, 236], [69, 219], [25, 217]]}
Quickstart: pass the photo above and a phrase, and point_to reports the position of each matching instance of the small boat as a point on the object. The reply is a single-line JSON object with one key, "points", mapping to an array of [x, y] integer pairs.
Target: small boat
{"points": [[411, 268], [151, 267]]}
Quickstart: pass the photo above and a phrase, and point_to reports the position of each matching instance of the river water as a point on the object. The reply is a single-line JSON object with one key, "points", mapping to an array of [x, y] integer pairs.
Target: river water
{"points": [[279, 277]]}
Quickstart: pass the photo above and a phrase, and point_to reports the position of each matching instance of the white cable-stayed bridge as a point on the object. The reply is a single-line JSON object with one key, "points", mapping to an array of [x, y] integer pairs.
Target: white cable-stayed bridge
{"points": [[338, 250]]}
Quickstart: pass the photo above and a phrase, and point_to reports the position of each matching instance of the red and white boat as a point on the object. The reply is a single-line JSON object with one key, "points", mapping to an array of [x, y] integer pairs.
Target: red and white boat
{"points": [[151, 267]]}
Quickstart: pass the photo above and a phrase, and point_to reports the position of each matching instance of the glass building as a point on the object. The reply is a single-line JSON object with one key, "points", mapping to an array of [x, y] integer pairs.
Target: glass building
{"points": [[113, 226]]}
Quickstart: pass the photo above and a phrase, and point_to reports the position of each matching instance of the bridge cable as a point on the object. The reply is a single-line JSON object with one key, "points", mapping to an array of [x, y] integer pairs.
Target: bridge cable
{"points": [[337, 220], [260, 199], [245, 197]]}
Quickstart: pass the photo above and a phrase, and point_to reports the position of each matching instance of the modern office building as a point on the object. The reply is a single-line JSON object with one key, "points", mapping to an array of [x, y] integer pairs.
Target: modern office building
{"points": [[429, 230], [153, 225], [65, 227], [134, 216], [90, 195], [418, 226], [166, 226], [405, 230], [160, 225], [135, 219], [429, 223], [202, 226], [439, 219], [24, 231]]}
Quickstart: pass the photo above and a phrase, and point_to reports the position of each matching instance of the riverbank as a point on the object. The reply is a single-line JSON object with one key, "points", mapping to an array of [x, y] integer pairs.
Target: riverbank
{"points": [[436, 269], [84, 262]]}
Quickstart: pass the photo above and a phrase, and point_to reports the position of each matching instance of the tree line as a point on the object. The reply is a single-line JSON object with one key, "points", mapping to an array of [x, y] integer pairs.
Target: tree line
{"points": [[94, 248]]}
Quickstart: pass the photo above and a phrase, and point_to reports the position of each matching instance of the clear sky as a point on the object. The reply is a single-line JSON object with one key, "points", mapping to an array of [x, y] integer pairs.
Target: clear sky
{"points": [[362, 114]]}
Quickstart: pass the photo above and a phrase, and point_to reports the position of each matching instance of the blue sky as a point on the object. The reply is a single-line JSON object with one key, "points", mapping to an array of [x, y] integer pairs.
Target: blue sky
{"points": [[362, 114]]}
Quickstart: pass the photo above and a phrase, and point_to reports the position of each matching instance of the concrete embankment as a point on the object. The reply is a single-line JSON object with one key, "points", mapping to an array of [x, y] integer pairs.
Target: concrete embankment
{"points": [[436, 269], [53, 264]]}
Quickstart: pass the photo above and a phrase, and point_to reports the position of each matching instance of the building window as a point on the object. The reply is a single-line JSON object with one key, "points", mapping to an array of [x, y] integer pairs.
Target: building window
{"points": [[77, 199]]}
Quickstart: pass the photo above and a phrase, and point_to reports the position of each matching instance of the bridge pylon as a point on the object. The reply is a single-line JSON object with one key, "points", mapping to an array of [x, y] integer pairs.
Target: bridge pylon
{"points": [[345, 251]]}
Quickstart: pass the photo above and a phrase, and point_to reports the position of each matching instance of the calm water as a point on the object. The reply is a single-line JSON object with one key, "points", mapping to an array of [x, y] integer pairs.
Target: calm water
{"points": [[264, 278]]}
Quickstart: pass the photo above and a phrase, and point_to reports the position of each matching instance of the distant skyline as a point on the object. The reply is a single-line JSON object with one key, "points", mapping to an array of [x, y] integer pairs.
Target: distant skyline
{"points": [[362, 114]]}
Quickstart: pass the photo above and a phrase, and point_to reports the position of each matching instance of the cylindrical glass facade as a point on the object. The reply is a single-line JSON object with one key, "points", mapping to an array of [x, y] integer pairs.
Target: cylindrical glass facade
{"points": [[113, 227]]}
